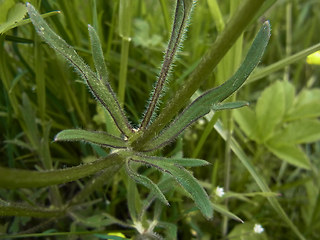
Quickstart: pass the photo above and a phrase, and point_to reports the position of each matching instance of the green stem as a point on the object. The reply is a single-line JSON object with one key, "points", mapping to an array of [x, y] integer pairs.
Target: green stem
{"points": [[223, 43], [125, 12], [165, 14], [16, 178], [232, 61], [288, 38], [123, 69], [13, 209], [205, 134]]}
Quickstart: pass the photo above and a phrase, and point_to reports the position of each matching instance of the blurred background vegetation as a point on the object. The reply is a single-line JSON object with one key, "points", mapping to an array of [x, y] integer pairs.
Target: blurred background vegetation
{"points": [[41, 95]]}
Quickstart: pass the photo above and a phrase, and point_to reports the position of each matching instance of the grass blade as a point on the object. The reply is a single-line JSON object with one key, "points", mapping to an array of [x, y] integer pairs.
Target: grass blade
{"points": [[225, 212], [259, 180], [263, 72]]}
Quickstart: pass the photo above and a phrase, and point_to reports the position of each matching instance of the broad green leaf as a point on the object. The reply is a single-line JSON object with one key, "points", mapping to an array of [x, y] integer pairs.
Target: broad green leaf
{"points": [[183, 10], [15, 15], [185, 179], [298, 132], [203, 104], [289, 95], [15, 18], [306, 105], [259, 179], [246, 118], [101, 138], [270, 110], [290, 153], [98, 88], [5, 6], [146, 182], [225, 212]]}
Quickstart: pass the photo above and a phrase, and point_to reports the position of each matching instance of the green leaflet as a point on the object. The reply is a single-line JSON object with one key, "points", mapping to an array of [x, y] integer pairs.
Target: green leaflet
{"points": [[270, 110], [103, 93], [211, 99], [101, 138], [290, 153], [182, 14], [306, 105], [147, 183], [184, 178], [298, 132]]}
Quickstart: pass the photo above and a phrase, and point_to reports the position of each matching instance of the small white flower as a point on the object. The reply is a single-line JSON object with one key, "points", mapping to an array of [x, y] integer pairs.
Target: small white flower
{"points": [[219, 191], [258, 228]]}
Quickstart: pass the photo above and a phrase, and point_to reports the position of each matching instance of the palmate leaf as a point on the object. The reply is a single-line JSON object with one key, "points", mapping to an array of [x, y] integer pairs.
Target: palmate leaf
{"points": [[212, 98], [100, 88], [183, 177], [182, 14], [100, 138]]}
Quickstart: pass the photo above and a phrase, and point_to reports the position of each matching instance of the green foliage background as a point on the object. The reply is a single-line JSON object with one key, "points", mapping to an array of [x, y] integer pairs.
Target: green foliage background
{"points": [[276, 138]]}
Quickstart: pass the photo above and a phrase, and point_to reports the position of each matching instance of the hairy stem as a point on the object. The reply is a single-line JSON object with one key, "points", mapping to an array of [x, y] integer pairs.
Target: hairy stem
{"points": [[223, 43], [180, 20], [16, 178]]}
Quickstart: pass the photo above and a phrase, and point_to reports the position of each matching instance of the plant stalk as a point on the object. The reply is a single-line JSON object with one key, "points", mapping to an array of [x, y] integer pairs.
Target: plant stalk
{"points": [[17, 178], [223, 43]]}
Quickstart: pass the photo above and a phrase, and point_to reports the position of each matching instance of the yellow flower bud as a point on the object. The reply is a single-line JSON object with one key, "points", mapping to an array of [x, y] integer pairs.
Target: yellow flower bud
{"points": [[314, 58]]}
